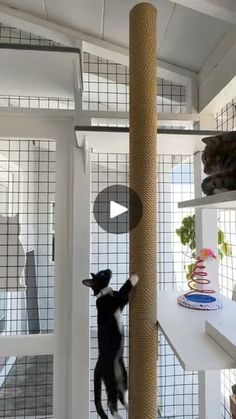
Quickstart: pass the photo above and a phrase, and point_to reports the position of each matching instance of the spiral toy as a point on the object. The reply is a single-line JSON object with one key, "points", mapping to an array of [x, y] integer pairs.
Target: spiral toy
{"points": [[200, 296]]}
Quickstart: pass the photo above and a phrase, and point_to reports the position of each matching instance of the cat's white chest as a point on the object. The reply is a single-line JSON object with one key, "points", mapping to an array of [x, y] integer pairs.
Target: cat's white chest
{"points": [[118, 318]]}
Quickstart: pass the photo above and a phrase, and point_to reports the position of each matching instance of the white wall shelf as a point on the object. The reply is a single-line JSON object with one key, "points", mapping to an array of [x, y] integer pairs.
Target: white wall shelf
{"points": [[118, 141], [35, 71], [224, 200], [184, 329]]}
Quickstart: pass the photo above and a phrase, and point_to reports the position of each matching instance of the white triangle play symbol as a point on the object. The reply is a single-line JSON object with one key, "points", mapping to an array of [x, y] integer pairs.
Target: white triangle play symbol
{"points": [[116, 209]]}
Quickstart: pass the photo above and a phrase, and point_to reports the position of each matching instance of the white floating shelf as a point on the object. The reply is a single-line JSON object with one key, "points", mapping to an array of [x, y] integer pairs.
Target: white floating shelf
{"points": [[118, 142], [184, 329], [224, 200]]}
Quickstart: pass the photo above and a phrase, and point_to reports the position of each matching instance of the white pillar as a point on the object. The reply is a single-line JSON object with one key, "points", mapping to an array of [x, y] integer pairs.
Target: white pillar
{"points": [[80, 355], [63, 273], [206, 236]]}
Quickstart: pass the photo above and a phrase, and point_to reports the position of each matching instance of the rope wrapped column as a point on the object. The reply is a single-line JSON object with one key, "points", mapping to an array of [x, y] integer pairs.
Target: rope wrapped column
{"points": [[143, 239]]}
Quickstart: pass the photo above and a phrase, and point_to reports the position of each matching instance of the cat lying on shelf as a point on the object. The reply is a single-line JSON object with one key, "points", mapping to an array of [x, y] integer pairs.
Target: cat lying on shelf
{"points": [[110, 368], [220, 153], [220, 182], [219, 161]]}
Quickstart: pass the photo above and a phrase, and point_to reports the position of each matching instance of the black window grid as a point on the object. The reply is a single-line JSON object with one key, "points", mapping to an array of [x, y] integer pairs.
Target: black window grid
{"points": [[106, 88], [227, 283], [26, 387], [27, 174], [106, 84], [36, 102], [226, 121], [226, 117], [177, 390], [12, 35]]}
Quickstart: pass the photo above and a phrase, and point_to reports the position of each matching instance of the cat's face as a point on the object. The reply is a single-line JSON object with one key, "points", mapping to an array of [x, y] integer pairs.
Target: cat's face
{"points": [[98, 281]]}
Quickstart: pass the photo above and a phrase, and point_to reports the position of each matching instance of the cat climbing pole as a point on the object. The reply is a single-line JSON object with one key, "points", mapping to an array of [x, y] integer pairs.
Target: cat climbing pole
{"points": [[143, 251]]}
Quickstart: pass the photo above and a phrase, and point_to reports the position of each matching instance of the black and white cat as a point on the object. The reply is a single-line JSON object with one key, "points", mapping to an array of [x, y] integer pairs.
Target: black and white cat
{"points": [[110, 367]]}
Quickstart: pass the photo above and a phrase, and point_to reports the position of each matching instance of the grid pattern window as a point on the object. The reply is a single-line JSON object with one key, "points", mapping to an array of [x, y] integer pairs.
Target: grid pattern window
{"points": [[225, 121], [106, 88], [27, 196], [11, 35], [26, 387], [178, 391], [227, 223], [36, 102], [226, 117], [110, 122]]}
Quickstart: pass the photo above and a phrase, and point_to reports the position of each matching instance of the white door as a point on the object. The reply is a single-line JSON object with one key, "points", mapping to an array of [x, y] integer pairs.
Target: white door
{"points": [[34, 269]]}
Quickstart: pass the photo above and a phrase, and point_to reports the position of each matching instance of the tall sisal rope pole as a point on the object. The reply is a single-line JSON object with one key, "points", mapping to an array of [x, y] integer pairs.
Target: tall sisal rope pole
{"points": [[143, 180]]}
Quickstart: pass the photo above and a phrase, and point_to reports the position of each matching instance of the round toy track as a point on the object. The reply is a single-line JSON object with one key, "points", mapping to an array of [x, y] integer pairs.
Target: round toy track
{"points": [[200, 301]]}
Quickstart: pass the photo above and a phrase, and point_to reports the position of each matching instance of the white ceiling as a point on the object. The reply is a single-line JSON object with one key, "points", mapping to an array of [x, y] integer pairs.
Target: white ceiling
{"points": [[191, 37], [185, 37], [35, 7], [85, 15], [116, 19], [230, 4]]}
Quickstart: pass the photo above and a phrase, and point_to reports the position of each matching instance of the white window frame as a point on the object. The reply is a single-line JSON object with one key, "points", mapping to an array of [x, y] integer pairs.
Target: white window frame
{"points": [[57, 126]]}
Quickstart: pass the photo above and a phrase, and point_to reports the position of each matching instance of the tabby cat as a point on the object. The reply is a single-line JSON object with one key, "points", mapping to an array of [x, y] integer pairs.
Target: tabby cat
{"points": [[219, 161]]}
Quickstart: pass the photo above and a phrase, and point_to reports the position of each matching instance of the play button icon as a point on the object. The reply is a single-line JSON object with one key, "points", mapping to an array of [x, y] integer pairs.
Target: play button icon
{"points": [[117, 209]]}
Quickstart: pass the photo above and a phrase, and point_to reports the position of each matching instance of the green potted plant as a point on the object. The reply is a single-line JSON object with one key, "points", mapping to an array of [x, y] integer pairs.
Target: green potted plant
{"points": [[187, 236]]}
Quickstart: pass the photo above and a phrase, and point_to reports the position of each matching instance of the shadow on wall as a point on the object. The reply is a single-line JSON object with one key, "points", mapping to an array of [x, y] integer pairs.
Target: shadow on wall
{"points": [[234, 293], [31, 294], [14, 265], [12, 255]]}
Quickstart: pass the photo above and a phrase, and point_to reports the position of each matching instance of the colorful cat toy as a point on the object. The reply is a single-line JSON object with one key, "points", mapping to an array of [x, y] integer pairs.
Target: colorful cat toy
{"points": [[200, 296]]}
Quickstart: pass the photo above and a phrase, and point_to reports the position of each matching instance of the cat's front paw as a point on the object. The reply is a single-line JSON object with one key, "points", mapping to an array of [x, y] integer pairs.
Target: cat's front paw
{"points": [[134, 279]]}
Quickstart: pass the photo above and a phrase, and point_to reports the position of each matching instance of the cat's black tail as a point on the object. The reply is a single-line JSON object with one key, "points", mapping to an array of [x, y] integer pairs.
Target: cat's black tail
{"points": [[98, 392]]}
